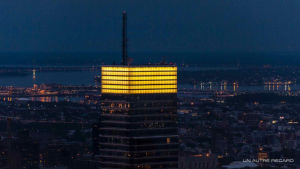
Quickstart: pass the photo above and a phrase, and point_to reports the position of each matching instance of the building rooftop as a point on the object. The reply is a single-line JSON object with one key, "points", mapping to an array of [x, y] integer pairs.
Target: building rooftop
{"points": [[240, 164]]}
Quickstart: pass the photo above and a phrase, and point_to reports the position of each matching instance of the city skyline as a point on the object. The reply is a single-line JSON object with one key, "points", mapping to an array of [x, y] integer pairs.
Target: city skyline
{"points": [[189, 84]]}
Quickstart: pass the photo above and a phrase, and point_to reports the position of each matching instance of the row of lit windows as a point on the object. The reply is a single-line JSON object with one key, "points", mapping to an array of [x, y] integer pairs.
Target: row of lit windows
{"points": [[138, 82], [138, 73], [139, 87], [139, 78], [139, 91], [139, 69]]}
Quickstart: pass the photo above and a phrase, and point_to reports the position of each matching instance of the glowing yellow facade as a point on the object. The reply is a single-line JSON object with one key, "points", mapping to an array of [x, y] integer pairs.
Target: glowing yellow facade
{"points": [[123, 79]]}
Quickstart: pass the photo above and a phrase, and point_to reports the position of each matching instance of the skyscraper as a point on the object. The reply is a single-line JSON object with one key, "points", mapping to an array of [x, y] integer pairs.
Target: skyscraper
{"points": [[138, 123], [23, 152]]}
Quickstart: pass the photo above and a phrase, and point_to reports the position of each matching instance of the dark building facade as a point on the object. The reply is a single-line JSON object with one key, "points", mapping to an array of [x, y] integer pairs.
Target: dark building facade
{"points": [[138, 122], [29, 150], [198, 162], [3, 154], [59, 153], [23, 152], [95, 134], [87, 161], [221, 141]]}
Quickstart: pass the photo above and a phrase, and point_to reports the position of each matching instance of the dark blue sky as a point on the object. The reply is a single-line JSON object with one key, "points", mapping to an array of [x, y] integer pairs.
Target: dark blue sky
{"points": [[153, 25]]}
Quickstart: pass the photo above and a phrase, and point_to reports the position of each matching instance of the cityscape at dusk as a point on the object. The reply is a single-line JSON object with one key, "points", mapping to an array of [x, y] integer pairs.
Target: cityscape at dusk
{"points": [[150, 84]]}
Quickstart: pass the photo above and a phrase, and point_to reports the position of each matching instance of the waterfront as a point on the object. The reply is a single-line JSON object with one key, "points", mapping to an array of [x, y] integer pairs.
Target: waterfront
{"points": [[46, 99], [60, 77], [291, 87], [71, 77], [86, 78]]}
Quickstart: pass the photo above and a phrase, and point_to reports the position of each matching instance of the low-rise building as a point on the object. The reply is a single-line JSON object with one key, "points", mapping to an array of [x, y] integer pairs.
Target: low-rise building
{"points": [[207, 161]]}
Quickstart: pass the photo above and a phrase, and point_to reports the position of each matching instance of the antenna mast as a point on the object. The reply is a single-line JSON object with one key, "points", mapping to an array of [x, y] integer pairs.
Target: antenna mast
{"points": [[124, 41]]}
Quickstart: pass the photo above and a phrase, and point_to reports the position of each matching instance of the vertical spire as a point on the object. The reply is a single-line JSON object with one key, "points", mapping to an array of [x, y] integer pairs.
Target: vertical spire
{"points": [[9, 140], [124, 41], [9, 127]]}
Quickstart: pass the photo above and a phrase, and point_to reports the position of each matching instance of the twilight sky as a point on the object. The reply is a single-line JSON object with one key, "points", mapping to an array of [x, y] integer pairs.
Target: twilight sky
{"points": [[153, 25]]}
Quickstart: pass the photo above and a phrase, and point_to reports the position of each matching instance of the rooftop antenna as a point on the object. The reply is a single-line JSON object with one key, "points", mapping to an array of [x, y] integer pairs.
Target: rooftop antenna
{"points": [[124, 41], [163, 62]]}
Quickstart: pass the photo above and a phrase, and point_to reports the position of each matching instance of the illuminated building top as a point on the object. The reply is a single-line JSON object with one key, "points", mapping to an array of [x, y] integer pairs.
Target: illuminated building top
{"points": [[145, 79]]}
